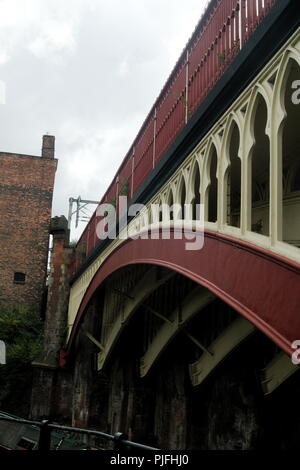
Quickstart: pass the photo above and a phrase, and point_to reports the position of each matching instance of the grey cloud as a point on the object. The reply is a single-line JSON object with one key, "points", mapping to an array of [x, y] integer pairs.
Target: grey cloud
{"points": [[93, 86]]}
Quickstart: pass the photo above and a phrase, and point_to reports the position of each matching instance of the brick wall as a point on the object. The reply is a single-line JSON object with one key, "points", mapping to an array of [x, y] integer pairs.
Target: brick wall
{"points": [[26, 188], [52, 386]]}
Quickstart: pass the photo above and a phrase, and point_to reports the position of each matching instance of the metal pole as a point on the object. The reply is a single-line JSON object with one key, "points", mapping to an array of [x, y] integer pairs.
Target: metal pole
{"points": [[45, 437], [77, 211], [118, 441], [70, 212]]}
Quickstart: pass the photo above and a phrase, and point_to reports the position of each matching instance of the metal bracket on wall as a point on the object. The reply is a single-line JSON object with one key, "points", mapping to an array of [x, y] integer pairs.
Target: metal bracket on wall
{"points": [[81, 214]]}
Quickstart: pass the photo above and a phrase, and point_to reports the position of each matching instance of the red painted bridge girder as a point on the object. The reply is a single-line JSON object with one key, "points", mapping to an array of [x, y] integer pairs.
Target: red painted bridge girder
{"points": [[260, 285]]}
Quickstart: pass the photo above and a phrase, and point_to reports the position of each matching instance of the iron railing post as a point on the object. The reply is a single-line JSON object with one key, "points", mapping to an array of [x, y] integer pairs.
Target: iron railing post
{"points": [[118, 441], [45, 436]]}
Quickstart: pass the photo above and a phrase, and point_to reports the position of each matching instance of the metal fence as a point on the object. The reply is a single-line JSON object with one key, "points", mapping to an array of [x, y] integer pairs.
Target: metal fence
{"points": [[119, 440]]}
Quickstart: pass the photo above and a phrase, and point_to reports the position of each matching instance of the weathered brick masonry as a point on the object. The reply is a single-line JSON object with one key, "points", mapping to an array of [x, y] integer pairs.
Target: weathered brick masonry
{"points": [[52, 386], [26, 188]]}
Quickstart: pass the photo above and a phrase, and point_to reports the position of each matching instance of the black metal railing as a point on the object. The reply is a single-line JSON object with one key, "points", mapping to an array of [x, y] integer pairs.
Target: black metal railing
{"points": [[119, 440]]}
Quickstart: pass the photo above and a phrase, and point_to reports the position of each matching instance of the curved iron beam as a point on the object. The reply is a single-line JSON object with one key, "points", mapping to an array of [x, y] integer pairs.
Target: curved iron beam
{"points": [[258, 283]]}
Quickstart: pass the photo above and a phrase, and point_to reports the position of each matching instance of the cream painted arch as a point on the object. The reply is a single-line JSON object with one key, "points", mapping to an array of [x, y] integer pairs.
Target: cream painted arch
{"points": [[186, 173], [155, 209], [248, 144], [265, 90], [191, 196], [248, 138], [164, 206], [181, 195], [169, 201], [144, 219], [233, 119], [197, 160], [279, 115], [180, 182], [206, 180]]}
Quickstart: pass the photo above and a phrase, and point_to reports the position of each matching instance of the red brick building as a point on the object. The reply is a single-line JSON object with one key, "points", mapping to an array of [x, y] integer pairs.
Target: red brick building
{"points": [[26, 189]]}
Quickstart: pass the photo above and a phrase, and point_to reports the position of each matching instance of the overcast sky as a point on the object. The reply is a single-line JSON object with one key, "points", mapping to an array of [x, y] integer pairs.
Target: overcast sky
{"points": [[88, 72]]}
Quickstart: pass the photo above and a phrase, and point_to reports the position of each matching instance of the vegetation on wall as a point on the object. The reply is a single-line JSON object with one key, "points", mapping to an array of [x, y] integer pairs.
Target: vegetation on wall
{"points": [[124, 191], [21, 329]]}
